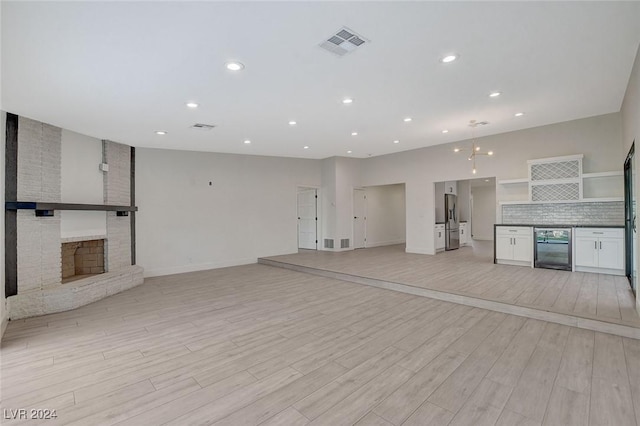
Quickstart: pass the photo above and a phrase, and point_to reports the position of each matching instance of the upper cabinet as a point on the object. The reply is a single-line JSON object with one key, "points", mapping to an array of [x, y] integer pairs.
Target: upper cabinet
{"points": [[561, 180], [451, 187], [555, 179]]}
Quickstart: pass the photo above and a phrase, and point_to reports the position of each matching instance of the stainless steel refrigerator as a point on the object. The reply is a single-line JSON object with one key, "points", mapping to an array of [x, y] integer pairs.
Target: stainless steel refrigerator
{"points": [[451, 229]]}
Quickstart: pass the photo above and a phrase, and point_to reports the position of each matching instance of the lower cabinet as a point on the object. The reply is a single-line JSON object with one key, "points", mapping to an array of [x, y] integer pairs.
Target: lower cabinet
{"points": [[439, 234], [514, 245], [599, 250], [464, 234]]}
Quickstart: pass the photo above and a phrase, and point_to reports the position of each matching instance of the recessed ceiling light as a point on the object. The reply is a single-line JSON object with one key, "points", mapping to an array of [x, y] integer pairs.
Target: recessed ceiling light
{"points": [[234, 66], [354, 133], [449, 58], [306, 147], [445, 131], [408, 119], [292, 123], [247, 141], [349, 152], [347, 101], [490, 153], [494, 94], [456, 149], [396, 141], [160, 132], [519, 114], [486, 180], [192, 105]]}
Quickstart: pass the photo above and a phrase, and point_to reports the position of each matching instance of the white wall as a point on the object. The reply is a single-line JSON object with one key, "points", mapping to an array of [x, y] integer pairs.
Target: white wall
{"points": [[386, 215], [249, 211], [347, 178], [4, 313], [631, 131], [81, 182], [598, 138], [439, 201], [464, 193], [483, 211]]}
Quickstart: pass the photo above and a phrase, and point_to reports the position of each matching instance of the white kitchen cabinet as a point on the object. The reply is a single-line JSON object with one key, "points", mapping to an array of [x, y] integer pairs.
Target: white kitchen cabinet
{"points": [[514, 245], [439, 236], [599, 250], [464, 234], [451, 187]]}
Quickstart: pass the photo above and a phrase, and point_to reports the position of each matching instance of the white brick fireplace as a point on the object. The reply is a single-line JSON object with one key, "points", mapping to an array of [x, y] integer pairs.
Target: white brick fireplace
{"points": [[39, 239]]}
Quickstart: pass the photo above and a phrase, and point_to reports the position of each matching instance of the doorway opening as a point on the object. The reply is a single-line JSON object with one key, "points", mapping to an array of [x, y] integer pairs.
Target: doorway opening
{"points": [[307, 218], [359, 218], [379, 216], [483, 208], [631, 235]]}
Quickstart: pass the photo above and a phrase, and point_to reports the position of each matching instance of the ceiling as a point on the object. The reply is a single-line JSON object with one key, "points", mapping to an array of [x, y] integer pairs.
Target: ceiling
{"points": [[122, 71]]}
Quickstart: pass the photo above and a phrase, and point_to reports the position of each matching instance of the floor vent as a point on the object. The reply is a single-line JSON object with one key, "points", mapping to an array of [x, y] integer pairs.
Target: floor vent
{"points": [[344, 243], [328, 243], [343, 41]]}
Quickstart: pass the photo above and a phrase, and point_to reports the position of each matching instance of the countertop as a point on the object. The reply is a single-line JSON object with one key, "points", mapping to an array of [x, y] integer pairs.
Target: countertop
{"points": [[537, 225]]}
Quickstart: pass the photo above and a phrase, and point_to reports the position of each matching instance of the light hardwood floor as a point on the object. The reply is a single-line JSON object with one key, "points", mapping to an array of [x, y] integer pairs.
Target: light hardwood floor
{"points": [[470, 271], [262, 345]]}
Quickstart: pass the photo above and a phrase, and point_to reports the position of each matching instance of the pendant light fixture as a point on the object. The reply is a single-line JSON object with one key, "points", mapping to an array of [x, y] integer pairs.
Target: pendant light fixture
{"points": [[475, 150]]}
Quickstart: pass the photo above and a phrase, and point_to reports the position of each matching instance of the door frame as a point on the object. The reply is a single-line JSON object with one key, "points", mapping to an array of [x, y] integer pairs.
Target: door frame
{"points": [[630, 222], [318, 215], [353, 213]]}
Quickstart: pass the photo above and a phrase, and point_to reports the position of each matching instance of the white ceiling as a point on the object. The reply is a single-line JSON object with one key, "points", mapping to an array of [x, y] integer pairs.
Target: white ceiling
{"points": [[123, 70]]}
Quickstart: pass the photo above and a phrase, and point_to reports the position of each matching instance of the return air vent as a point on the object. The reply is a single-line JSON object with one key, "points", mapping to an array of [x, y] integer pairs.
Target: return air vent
{"points": [[344, 243], [328, 243], [343, 41], [201, 126], [474, 123]]}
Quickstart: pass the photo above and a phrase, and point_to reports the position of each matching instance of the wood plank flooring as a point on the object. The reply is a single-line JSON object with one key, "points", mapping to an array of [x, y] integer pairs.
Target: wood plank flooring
{"points": [[470, 271], [261, 345]]}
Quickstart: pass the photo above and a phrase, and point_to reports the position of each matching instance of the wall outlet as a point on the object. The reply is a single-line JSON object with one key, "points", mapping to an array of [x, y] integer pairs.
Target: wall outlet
{"points": [[104, 167]]}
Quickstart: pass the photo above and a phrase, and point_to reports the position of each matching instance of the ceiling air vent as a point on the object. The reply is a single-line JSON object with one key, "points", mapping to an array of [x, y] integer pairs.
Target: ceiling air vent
{"points": [[474, 123], [343, 42], [201, 126]]}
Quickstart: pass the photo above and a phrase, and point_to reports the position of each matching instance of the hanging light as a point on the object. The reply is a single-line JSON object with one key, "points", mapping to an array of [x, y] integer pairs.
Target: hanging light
{"points": [[475, 150]]}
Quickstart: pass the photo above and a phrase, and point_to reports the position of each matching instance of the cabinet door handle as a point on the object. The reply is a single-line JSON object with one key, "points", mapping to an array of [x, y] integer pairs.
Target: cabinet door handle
{"points": [[595, 245], [600, 245]]}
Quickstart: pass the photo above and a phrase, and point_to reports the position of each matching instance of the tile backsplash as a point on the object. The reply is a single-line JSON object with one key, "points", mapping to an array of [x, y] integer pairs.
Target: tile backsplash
{"points": [[610, 213]]}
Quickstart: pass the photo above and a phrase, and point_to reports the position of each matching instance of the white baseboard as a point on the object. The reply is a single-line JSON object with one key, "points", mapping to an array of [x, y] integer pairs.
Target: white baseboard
{"points": [[419, 250], [385, 243], [599, 270], [514, 262], [3, 327], [335, 249], [157, 272]]}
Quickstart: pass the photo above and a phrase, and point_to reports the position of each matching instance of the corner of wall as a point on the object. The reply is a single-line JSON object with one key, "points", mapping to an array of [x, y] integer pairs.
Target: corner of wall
{"points": [[4, 313], [630, 112]]}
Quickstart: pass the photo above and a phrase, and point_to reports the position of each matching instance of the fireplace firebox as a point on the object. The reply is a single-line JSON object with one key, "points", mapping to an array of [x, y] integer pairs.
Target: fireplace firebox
{"points": [[81, 259]]}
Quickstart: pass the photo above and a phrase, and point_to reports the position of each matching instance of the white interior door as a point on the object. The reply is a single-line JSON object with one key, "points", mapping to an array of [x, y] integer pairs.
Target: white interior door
{"points": [[308, 219], [359, 218]]}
